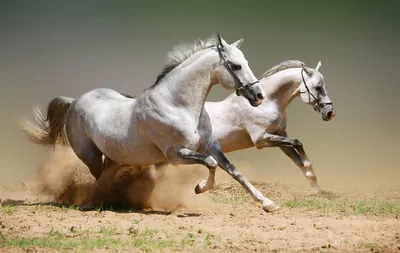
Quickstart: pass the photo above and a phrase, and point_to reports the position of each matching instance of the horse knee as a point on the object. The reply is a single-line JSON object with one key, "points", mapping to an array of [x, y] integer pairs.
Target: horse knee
{"points": [[211, 163], [297, 143]]}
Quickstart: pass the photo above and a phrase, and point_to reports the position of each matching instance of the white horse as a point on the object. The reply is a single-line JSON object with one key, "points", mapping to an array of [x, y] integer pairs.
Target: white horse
{"points": [[239, 126], [166, 123]]}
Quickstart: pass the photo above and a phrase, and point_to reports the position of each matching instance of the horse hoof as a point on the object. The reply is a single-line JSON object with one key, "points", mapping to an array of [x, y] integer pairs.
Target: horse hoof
{"points": [[197, 189], [201, 187], [270, 208]]}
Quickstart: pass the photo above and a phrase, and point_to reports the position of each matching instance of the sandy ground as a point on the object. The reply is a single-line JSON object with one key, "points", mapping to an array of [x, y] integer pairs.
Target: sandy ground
{"points": [[172, 218], [220, 227]]}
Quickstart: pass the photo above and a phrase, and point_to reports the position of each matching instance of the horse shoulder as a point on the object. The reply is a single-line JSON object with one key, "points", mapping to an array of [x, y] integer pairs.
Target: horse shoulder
{"points": [[167, 125], [226, 117], [263, 116]]}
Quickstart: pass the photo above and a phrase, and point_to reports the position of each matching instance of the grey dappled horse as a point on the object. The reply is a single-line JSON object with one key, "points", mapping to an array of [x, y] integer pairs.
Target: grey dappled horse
{"points": [[166, 123]]}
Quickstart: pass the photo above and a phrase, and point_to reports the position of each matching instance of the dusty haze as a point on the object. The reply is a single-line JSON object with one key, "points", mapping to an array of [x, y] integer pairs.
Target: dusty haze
{"points": [[49, 49]]}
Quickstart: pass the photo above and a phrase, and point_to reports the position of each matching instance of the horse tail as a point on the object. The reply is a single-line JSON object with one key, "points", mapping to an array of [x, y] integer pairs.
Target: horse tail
{"points": [[49, 131]]}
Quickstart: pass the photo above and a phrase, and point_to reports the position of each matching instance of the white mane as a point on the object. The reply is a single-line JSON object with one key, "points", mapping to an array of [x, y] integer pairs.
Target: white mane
{"points": [[182, 52], [288, 64]]}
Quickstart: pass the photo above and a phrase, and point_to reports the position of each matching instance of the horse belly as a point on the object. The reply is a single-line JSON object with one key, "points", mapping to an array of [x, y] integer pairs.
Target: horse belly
{"points": [[125, 145], [141, 152], [144, 155], [235, 140]]}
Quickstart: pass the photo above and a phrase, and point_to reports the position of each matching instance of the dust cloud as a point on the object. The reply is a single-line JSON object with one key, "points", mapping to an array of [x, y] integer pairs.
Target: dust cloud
{"points": [[64, 179]]}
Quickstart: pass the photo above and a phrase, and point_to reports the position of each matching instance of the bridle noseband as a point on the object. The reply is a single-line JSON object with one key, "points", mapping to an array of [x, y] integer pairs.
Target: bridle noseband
{"points": [[318, 105], [244, 86]]}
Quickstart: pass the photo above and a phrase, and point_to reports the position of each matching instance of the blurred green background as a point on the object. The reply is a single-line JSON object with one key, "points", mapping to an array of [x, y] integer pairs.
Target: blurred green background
{"points": [[50, 48]]}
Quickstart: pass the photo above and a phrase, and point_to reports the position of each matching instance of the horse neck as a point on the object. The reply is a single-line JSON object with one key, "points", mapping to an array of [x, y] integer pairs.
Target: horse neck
{"points": [[282, 87], [191, 82]]}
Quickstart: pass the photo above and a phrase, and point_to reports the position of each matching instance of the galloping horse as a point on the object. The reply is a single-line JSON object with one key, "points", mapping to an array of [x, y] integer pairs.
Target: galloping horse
{"points": [[166, 123], [239, 126]]}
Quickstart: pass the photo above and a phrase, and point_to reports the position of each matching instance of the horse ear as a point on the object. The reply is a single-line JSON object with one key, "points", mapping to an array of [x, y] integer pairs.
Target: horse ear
{"points": [[318, 66], [219, 40], [237, 43], [222, 43], [307, 70]]}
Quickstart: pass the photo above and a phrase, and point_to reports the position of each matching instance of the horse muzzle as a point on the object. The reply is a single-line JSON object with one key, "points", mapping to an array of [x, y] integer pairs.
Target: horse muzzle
{"points": [[327, 112], [253, 93]]}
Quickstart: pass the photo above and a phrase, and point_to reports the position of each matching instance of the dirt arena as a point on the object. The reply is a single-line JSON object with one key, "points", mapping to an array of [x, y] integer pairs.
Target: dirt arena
{"points": [[149, 211]]}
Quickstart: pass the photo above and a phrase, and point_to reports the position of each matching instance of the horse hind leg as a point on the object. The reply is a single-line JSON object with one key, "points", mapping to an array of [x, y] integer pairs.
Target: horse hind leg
{"points": [[90, 155]]}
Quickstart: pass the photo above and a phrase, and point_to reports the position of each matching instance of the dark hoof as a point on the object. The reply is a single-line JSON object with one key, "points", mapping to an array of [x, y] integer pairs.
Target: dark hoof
{"points": [[197, 189]]}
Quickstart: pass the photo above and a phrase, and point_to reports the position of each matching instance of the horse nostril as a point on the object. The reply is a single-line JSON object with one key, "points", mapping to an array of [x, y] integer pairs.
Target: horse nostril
{"points": [[260, 96], [329, 114]]}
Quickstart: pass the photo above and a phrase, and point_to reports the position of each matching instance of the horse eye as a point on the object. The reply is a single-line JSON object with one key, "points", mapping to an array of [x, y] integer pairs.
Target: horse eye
{"points": [[236, 67]]}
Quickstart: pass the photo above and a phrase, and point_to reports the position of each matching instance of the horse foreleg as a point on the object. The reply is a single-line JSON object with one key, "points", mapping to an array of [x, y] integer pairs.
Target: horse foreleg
{"points": [[186, 156], [273, 140], [295, 151], [308, 172], [214, 149]]}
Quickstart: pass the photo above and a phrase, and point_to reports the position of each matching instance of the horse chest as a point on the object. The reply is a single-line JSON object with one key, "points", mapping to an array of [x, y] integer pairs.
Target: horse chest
{"points": [[188, 132], [193, 140], [275, 123], [172, 127]]}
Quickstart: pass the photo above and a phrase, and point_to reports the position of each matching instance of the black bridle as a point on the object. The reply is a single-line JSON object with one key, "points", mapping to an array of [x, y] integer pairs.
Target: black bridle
{"points": [[226, 64], [318, 105]]}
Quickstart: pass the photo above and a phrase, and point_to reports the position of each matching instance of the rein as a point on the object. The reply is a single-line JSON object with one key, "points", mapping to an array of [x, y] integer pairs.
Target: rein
{"points": [[233, 73], [319, 105]]}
